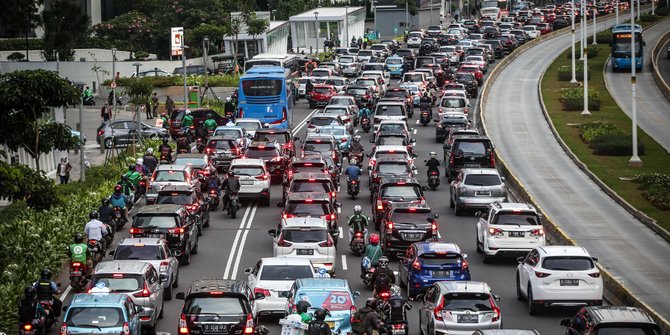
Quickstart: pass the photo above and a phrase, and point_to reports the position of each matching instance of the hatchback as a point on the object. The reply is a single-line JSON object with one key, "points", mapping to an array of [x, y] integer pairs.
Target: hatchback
{"points": [[392, 190], [112, 313], [476, 189], [310, 204], [124, 133], [271, 154], [468, 151], [425, 263], [452, 103], [306, 237]]}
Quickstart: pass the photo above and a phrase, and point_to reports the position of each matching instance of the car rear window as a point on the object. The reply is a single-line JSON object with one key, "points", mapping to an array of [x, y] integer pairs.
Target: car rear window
{"points": [[567, 263], [399, 168], [412, 77], [357, 91], [175, 198], [389, 110], [337, 110], [247, 170], [268, 137], [523, 219], [411, 217], [407, 192], [248, 125], [392, 140], [214, 305], [335, 82], [323, 121], [145, 253], [286, 272], [222, 144], [346, 60], [256, 152], [470, 148], [332, 299], [334, 131], [366, 82], [440, 259], [482, 180], [453, 103], [170, 175], [310, 186], [305, 235], [228, 132], [299, 208], [155, 221], [190, 161], [320, 147], [473, 302], [95, 317], [121, 284], [620, 329]]}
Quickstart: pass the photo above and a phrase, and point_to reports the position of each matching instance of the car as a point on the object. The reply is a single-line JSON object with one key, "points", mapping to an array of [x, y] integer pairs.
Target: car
{"points": [[459, 307], [333, 66], [416, 78], [532, 31], [479, 60], [191, 70], [111, 313], [308, 238], [350, 65], [169, 174], [409, 55], [341, 134], [189, 197], [395, 189], [322, 72], [414, 39], [344, 113], [271, 154], [325, 145], [452, 103], [395, 66], [610, 319], [139, 280], [306, 164], [366, 56], [322, 119], [425, 263], [200, 115], [390, 167], [382, 49], [404, 223], [475, 188], [321, 95], [468, 151], [201, 164], [155, 251], [381, 75], [403, 95], [456, 132], [123, 132], [372, 82], [392, 136], [254, 179], [310, 182], [283, 136], [250, 125], [338, 82], [175, 223], [239, 133], [272, 277], [333, 294], [302, 86], [448, 122], [414, 91], [365, 96], [346, 100], [81, 140], [216, 306], [474, 69], [390, 151], [508, 229], [389, 110], [311, 204], [222, 150], [562, 275], [156, 72]]}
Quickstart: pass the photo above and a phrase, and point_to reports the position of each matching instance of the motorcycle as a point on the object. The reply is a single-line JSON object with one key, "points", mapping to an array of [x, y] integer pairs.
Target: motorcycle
{"points": [[118, 218], [213, 198], [96, 251], [141, 188], [50, 319], [89, 101], [433, 180], [200, 144], [365, 124], [424, 119], [233, 205], [367, 277], [383, 295], [78, 278], [357, 244], [356, 159], [353, 187], [397, 328], [30, 328]]}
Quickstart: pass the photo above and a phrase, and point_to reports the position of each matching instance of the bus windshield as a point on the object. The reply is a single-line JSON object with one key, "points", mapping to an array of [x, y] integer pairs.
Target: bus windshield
{"points": [[621, 44], [262, 87]]}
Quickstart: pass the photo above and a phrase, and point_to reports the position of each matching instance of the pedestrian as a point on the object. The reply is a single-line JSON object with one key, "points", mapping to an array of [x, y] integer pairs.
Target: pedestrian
{"points": [[365, 42], [360, 42], [457, 14], [154, 103], [169, 106], [147, 110], [105, 112], [63, 169]]}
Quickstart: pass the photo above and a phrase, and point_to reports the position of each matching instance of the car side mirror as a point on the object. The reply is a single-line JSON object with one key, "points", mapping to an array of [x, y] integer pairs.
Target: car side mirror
{"points": [[247, 270], [280, 204], [272, 232], [180, 295], [565, 323], [595, 259], [520, 260], [436, 216], [415, 155], [424, 188], [139, 309], [64, 309], [496, 297], [163, 278], [372, 140], [356, 294], [502, 179], [296, 138], [412, 140], [465, 256], [259, 296]]}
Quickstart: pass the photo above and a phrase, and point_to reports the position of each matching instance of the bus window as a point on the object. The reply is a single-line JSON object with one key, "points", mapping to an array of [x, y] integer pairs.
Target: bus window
{"points": [[262, 87]]}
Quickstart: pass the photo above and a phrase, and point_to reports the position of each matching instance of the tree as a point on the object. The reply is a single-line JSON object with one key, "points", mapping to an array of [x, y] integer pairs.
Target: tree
{"points": [[25, 98], [256, 26], [411, 6], [21, 18], [15, 57], [233, 29], [20, 182], [65, 28], [195, 37]]}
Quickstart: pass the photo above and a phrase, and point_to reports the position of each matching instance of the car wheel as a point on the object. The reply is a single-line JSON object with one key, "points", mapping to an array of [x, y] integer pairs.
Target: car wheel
{"points": [[410, 296], [519, 295], [195, 247], [533, 308], [160, 315], [109, 143], [451, 202], [480, 247], [266, 201], [168, 294], [458, 211], [486, 259], [207, 222]]}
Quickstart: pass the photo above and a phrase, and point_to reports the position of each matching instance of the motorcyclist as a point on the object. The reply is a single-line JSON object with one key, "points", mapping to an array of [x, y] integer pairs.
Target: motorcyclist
{"points": [[186, 121], [425, 103], [120, 200], [364, 113], [395, 309], [383, 284], [433, 164], [150, 161], [371, 321], [165, 120], [107, 215], [358, 223], [134, 177], [140, 168], [372, 252], [96, 230], [201, 132], [210, 124], [353, 172], [88, 93], [356, 148], [301, 309], [127, 187], [229, 108], [30, 310], [318, 326], [165, 150], [231, 185], [183, 144], [45, 289], [78, 252], [213, 182]]}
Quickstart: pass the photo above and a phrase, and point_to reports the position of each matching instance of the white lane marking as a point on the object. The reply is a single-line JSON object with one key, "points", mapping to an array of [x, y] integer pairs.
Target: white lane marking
{"points": [[339, 209], [243, 241], [304, 122], [344, 262], [417, 122], [233, 248], [67, 291], [438, 235], [415, 131], [341, 233]]}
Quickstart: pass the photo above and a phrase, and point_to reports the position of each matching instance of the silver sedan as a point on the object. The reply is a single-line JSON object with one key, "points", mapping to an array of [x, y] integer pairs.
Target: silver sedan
{"points": [[476, 188]]}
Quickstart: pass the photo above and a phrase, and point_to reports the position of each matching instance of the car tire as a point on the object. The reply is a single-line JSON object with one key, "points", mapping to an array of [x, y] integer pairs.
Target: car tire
{"points": [[206, 225], [533, 308], [109, 143], [480, 247], [519, 294], [266, 201], [486, 259], [451, 202], [409, 295], [194, 251]]}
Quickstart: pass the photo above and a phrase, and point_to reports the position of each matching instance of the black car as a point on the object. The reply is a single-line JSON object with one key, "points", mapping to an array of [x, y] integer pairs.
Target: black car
{"points": [[189, 197], [520, 35], [389, 167], [446, 124], [392, 190], [404, 224], [468, 151], [562, 22], [364, 95], [409, 55], [508, 43], [310, 182], [403, 95], [223, 150], [497, 47], [271, 153], [283, 136], [218, 306], [176, 224], [470, 82], [428, 46]]}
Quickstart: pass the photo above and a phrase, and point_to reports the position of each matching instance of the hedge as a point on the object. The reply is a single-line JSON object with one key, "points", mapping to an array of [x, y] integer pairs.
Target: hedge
{"points": [[663, 11], [19, 44], [572, 99], [656, 189], [591, 130], [647, 18], [565, 72], [615, 145], [592, 51], [228, 80]]}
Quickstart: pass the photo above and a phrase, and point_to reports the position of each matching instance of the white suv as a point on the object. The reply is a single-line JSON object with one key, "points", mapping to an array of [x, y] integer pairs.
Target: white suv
{"points": [[508, 228], [558, 275], [306, 237], [254, 179]]}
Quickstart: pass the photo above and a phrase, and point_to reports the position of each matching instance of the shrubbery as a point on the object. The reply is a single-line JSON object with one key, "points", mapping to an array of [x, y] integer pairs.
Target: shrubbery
{"points": [[656, 189], [591, 130], [615, 145], [592, 51], [565, 72], [228, 80], [572, 99], [647, 18], [662, 11]]}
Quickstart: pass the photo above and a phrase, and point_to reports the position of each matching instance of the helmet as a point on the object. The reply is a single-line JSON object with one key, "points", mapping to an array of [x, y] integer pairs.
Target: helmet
{"points": [[262, 330], [104, 201], [163, 115], [139, 161], [93, 215], [320, 314], [78, 238], [231, 173], [371, 303], [395, 290], [383, 262], [302, 306], [150, 151], [45, 274], [209, 116], [353, 161], [29, 291], [124, 177], [131, 167], [117, 188], [358, 209], [357, 138], [228, 99], [432, 154], [374, 239], [266, 125], [188, 112]]}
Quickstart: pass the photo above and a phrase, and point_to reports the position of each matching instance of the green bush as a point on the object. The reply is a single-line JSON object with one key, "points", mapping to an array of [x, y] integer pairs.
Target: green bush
{"points": [[228, 80], [11, 211], [565, 72], [662, 11], [9, 44], [656, 189], [572, 99], [604, 37], [615, 145], [590, 130], [141, 55], [647, 18], [592, 51]]}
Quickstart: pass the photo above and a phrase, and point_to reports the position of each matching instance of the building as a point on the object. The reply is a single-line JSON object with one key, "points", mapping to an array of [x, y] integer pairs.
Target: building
{"points": [[329, 22], [392, 20], [274, 40]]}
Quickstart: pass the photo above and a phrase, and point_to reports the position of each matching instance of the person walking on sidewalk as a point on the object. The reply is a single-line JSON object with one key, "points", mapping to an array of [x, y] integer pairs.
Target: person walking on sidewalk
{"points": [[169, 106], [105, 112], [154, 105], [63, 170], [147, 110]]}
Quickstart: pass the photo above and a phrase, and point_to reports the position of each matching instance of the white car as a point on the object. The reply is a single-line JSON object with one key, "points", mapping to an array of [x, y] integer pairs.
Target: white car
{"points": [[302, 86], [346, 100], [254, 179], [306, 237], [532, 31], [561, 275], [343, 112], [365, 56], [506, 228], [338, 82], [273, 277], [382, 78], [453, 103], [416, 78], [393, 126], [322, 72], [414, 39], [249, 125], [234, 131], [389, 110], [389, 151]]}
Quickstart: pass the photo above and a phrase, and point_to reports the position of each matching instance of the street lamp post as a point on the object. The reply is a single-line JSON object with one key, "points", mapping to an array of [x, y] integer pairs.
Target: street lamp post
{"points": [[583, 19], [205, 50], [574, 74], [137, 109], [114, 80], [431, 12], [594, 27], [316, 32], [586, 112], [635, 160], [346, 26], [616, 11]]}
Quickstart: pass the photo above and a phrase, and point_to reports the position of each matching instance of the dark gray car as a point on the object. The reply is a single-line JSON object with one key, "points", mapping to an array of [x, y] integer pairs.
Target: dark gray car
{"points": [[122, 132]]}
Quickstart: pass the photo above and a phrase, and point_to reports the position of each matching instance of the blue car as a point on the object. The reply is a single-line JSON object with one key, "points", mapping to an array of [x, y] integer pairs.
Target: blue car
{"points": [[425, 263], [106, 313], [394, 65], [332, 294]]}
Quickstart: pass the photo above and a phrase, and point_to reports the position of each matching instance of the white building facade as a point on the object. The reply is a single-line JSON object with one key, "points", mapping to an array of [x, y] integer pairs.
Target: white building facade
{"points": [[310, 29], [274, 40]]}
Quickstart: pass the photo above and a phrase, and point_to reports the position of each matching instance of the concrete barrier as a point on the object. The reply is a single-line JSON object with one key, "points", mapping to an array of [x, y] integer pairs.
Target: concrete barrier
{"points": [[662, 84]]}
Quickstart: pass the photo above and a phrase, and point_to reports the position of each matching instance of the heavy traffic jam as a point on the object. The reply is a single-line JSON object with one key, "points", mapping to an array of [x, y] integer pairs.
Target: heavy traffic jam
{"points": [[367, 202]]}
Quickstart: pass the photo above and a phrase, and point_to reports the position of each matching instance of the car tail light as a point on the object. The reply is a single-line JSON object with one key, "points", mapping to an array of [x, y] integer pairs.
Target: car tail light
{"points": [[594, 275], [262, 291], [240, 113], [262, 177], [495, 231], [101, 132], [537, 232], [329, 216], [493, 160], [63, 329], [496, 312], [389, 227], [437, 311], [164, 266], [464, 264], [176, 231], [434, 227], [380, 205], [145, 293], [283, 243], [398, 326], [183, 327], [327, 243], [539, 274], [249, 327], [284, 115], [134, 231], [416, 265]]}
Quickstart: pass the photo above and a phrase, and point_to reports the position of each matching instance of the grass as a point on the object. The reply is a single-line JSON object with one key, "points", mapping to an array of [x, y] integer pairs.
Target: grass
{"points": [[608, 168]]}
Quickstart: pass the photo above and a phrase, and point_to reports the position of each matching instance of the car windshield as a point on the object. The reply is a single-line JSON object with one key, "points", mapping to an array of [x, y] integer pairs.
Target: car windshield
{"points": [[389, 110], [286, 272], [322, 121], [165, 221], [119, 284], [440, 259], [335, 82], [222, 144], [413, 77], [366, 82], [365, 53], [346, 60], [321, 73], [470, 148], [393, 168], [324, 147], [247, 125], [198, 162], [228, 132], [474, 302], [406, 192], [333, 131], [517, 219], [453, 103], [419, 217], [482, 180], [310, 186], [305, 235], [175, 198], [170, 175], [219, 306], [255, 152], [299, 208], [394, 61], [144, 252], [247, 170], [333, 300], [567, 263], [94, 317]]}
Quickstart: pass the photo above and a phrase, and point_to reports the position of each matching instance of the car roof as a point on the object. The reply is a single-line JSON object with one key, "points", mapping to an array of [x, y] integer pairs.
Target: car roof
{"points": [[224, 285], [464, 286], [324, 114], [311, 175], [98, 300], [159, 209], [190, 156], [142, 241], [229, 126], [304, 222], [390, 147], [300, 196], [393, 180], [563, 250], [176, 188], [436, 247], [285, 261], [324, 284], [126, 267], [471, 137], [248, 161], [618, 314], [480, 171]]}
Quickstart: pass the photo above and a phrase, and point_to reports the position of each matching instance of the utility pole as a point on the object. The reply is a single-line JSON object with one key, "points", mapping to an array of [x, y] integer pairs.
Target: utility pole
{"points": [[114, 83], [635, 160], [205, 49], [574, 74], [594, 27], [82, 165]]}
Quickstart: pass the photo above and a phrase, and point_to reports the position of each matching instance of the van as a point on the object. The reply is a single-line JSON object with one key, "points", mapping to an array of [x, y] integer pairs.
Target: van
{"points": [[113, 313]]}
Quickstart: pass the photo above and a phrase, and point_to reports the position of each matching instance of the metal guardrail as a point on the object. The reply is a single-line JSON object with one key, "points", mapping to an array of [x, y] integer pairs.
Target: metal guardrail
{"points": [[615, 291], [662, 84]]}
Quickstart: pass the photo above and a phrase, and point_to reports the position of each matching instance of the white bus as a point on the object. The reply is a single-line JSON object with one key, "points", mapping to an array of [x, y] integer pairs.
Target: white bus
{"points": [[287, 61]]}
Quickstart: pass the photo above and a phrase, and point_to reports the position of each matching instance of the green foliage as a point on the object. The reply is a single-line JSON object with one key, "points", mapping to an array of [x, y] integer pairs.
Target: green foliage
{"points": [[196, 36], [615, 145], [130, 31], [15, 57], [411, 6], [228, 80], [572, 99], [604, 37], [65, 28], [8, 44], [565, 72], [591, 52], [13, 210], [591, 130], [20, 17], [287, 8], [647, 18], [662, 11], [655, 188], [256, 26], [138, 90], [20, 182], [141, 55]]}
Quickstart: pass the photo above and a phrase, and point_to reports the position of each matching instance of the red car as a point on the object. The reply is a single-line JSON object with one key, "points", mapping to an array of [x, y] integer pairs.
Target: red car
{"points": [[474, 69], [545, 28], [321, 95]]}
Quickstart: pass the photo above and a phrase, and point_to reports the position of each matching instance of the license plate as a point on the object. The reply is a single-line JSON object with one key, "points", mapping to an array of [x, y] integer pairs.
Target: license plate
{"points": [[441, 273], [468, 318], [331, 324], [569, 282], [246, 182], [483, 193], [282, 294], [412, 236], [471, 165], [75, 273], [516, 234], [398, 331], [305, 252], [153, 235], [215, 328]]}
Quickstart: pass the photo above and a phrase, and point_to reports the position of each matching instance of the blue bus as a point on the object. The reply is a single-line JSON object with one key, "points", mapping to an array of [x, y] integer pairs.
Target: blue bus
{"points": [[621, 48], [267, 93]]}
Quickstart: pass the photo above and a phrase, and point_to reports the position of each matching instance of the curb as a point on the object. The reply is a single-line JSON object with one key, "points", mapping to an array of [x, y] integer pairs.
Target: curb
{"points": [[662, 84]]}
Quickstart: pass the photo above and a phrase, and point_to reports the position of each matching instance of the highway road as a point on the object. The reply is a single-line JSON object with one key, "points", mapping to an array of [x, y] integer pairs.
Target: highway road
{"points": [[664, 63], [653, 108], [632, 252]]}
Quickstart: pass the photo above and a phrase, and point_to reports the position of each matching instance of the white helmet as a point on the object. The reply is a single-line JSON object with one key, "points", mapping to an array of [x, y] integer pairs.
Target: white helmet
{"points": [[432, 154], [353, 161], [358, 209], [228, 99], [266, 125], [150, 151], [139, 161], [188, 112]]}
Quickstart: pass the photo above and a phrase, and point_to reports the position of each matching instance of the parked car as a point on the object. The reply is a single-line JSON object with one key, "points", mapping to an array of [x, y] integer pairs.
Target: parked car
{"points": [[124, 132]]}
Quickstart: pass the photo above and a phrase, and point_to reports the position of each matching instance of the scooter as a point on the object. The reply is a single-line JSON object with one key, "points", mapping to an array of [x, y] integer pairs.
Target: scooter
{"points": [[78, 278], [213, 198], [118, 218], [365, 124], [357, 244], [30, 328], [367, 277], [89, 101], [233, 205], [424, 118], [433, 180], [96, 251], [353, 187]]}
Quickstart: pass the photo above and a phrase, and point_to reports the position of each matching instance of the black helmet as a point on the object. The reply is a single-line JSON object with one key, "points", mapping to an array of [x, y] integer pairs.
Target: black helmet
{"points": [[45, 274], [124, 178], [29, 291], [105, 201], [78, 238], [320, 314], [262, 330], [165, 140], [371, 303], [131, 167], [302, 306], [231, 173], [93, 215]]}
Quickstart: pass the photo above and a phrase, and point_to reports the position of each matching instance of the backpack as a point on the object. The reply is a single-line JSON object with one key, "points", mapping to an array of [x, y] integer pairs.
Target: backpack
{"points": [[315, 327], [383, 281], [358, 321]]}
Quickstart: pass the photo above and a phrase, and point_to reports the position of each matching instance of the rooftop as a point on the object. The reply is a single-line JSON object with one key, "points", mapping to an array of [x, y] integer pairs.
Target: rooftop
{"points": [[325, 13]]}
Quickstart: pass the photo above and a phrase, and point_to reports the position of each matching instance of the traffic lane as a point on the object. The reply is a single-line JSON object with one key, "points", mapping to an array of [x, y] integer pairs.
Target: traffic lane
{"points": [[664, 63]]}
